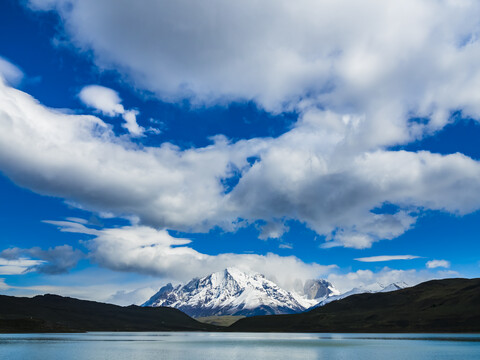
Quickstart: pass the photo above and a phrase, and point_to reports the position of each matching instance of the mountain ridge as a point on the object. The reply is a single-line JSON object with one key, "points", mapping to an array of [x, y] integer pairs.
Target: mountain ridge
{"points": [[448, 305], [375, 288], [233, 292], [54, 313]]}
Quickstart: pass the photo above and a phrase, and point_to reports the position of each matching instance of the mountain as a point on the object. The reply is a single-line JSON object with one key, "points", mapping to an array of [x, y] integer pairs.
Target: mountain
{"points": [[449, 305], [233, 292], [314, 292], [52, 313], [363, 290], [318, 289]]}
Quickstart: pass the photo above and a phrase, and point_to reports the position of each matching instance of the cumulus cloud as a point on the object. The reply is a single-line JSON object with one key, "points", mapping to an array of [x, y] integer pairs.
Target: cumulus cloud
{"points": [[79, 158], [314, 173], [387, 258], [108, 102], [102, 99], [375, 58], [56, 260], [10, 72], [432, 264], [357, 75], [146, 250], [272, 230], [309, 174]]}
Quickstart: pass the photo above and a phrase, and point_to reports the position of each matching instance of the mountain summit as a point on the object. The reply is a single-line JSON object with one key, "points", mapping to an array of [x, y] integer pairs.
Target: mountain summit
{"points": [[233, 292]]}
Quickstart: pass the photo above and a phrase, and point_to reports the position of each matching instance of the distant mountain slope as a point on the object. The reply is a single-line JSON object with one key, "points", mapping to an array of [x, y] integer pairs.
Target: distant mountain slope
{"points": [[52, 313], [233, 292], [374, 288], [450, 305]]}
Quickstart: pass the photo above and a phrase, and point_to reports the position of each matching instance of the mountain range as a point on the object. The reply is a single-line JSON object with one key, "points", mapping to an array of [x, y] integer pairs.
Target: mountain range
{"points": [[233, 292], [375, 288], [448, 305]]}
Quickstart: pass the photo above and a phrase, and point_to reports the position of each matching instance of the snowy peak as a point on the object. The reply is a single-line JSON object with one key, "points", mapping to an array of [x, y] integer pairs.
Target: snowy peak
{"points": [[160, 295], [233, 292], [395, 286], [375, 288]]}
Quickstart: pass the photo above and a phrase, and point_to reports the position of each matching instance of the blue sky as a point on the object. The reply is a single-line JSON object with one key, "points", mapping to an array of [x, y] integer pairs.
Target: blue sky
{"points": [[288, 145]]}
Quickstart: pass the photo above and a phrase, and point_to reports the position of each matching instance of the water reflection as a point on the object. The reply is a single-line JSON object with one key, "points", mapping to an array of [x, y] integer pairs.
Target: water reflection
{"points": [[244, 346]]}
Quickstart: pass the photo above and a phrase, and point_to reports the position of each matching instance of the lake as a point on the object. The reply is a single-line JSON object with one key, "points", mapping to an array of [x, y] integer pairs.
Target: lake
{"points": [[244, 346]]}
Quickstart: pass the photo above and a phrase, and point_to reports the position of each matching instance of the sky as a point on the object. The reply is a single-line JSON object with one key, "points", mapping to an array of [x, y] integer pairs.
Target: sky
{"points": [[156, 141]]}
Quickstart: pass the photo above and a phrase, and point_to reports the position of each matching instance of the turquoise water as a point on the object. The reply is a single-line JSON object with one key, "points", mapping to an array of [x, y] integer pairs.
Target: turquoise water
{"points": [[227, 346]]}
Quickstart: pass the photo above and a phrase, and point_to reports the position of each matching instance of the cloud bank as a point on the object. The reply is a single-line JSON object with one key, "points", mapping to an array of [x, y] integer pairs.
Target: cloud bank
{"points": [[363, 77], [145, 250], [374, 58], [309, 174]]}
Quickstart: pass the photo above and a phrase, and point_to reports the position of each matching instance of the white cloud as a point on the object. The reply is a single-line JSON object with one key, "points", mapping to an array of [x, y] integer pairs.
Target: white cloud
{"points": [[78, 220], [135, 297], [108, 102], [57, 260], [17, 266], [10, 72], [432, 264], [314, 173], [375, 58], [131, 124], [272, 230], [387, 258], [80, 159], [145, 250], [103, 99], [311, 174]]}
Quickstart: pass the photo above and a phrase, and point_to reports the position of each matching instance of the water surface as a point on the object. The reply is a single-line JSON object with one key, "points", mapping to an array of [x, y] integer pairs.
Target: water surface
{"points": [[244, 346]]}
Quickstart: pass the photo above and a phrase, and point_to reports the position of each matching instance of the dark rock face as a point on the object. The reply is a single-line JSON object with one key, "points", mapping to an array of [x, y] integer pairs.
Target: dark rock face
{"points": [[316, 289]]}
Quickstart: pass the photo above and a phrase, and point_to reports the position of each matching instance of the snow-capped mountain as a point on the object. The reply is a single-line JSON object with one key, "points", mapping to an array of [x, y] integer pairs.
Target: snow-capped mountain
{"points": [[362, 290], [233, 292]]}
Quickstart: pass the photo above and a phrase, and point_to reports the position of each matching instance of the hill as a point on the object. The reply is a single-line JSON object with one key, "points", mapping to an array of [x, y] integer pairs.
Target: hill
{"points": [[52, 313], [450, 305]]}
